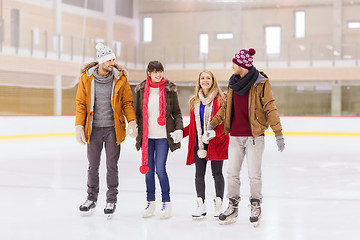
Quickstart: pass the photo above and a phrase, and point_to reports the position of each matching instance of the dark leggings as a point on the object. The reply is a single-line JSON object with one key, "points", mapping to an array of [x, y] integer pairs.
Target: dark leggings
{"points": [[200, 170]]}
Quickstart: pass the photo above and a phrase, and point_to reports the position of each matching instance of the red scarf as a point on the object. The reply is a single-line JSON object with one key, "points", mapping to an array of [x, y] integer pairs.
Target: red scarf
{"points": [[161, 119]]}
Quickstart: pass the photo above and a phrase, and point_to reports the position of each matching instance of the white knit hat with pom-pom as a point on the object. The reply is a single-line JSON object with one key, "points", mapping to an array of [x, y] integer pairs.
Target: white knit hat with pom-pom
{"points": [[104, 53]]}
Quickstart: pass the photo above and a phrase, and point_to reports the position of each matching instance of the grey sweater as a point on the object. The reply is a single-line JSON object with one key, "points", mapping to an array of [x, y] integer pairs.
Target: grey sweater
{"points": [[103, 113]]}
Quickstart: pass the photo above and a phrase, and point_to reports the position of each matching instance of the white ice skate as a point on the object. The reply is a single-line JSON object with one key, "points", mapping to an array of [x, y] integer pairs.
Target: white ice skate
{"points": [[255, 216], [87, 208], [109, 209], [149, 209], [218, 206], [200, 211], [165, 211]]}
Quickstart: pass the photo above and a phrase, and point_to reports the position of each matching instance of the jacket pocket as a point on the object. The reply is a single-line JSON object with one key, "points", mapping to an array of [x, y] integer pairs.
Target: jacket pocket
{"points": [[260, 118], [219, 147], [122, 121]]}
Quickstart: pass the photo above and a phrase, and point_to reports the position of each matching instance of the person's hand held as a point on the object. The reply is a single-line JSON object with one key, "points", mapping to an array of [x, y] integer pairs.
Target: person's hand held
{"points": [[132, 129], [177, 135]]}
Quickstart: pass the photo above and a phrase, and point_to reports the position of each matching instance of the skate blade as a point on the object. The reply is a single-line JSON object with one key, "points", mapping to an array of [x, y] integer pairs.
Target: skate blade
{"points": [[163, 217], [87, 213], [199, 218], [148, 215], [227, 222], [256, 224]]}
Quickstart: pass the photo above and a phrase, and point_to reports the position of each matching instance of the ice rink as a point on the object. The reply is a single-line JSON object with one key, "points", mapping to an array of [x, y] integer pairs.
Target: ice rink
{"points": [[311, 190]]}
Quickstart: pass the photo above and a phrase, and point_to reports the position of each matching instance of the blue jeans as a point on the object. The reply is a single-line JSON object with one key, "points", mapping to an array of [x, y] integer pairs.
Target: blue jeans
{"points": [[157, 157]]}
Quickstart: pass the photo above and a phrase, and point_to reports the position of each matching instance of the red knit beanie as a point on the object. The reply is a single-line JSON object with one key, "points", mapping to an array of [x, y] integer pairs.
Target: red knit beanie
{"points": [[244, 58]]}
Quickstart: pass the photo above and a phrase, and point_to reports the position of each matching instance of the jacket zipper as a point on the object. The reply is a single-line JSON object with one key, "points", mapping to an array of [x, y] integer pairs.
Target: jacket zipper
{"points": [[250, 99]]}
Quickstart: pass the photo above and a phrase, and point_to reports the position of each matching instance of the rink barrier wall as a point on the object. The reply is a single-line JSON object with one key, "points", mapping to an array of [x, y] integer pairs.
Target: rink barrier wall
{"points": [[332, 134], [36, 135], [16, 127]]}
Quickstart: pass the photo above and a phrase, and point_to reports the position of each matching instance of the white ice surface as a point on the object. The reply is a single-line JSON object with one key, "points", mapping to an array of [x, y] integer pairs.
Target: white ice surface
{"points": [[311, 191]]}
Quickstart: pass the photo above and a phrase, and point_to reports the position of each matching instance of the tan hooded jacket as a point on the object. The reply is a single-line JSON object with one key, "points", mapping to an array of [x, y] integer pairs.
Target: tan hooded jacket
{"points": [[262, 110], [121, 101]]}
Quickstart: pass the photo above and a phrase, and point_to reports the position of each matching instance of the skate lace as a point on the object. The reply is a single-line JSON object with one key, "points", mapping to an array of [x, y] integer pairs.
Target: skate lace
{"points": [[87, 203], [109, 205], [163, 206], [255, 210], [229, 210], [148, 205]]}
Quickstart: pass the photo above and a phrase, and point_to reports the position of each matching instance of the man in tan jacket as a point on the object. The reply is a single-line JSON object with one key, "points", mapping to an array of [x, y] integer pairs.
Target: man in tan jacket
{"points": [[103, 100], [248, 111]]}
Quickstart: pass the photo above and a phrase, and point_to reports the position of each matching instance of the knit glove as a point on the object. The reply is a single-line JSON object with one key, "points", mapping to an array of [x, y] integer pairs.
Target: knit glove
{"points": [[79, 134], [177, 135], [209, 134], [132, 129], [280, 143]]}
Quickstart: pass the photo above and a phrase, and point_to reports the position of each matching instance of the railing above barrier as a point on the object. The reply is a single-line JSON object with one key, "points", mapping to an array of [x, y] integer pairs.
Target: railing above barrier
{"points": [[35, 43]]}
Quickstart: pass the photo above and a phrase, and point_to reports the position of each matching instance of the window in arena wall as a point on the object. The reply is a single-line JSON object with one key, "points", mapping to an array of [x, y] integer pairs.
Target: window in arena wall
{"points": [[78, 3], [273, 40], [124, 8], [353, 25], [204, 46], [97, 5], [147, 29], [300, 24], [15, 27], [36, 36], [223, 36], [117, 48], [58, 42]]}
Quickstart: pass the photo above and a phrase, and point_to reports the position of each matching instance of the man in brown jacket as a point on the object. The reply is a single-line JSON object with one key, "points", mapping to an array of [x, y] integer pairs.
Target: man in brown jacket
{"points": [[103, 100], [247, 113]]}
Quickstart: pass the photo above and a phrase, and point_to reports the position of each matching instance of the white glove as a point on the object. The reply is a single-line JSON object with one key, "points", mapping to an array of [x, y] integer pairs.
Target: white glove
{"points": [[79, 134], [280, 143], [177, 135], [132, 129], [208, 135]]}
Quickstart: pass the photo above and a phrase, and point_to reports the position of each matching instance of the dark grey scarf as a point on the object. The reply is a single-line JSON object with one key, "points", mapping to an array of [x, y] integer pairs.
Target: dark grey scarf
{"points": [[100, 79], [241, 85]]}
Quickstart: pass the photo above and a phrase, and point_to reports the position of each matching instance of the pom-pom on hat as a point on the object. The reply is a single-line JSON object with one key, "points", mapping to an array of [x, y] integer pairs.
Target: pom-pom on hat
{"points": [[244, 58], [104, 53]]}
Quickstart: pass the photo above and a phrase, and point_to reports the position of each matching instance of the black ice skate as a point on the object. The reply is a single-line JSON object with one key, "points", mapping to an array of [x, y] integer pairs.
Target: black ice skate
{"points": [[255, 212], [230, 214], [109, 209], [87, 208]]}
